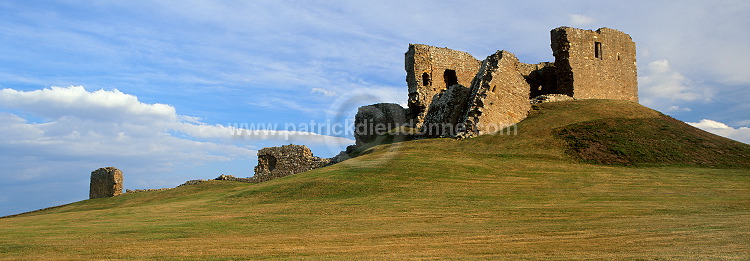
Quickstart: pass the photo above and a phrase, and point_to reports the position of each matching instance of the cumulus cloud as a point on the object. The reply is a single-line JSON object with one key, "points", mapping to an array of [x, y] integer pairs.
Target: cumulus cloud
{"points": [[663, 88], [101, 105], [741, 134]]}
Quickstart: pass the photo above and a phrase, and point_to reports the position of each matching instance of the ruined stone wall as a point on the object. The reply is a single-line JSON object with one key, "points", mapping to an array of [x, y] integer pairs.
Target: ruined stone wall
{"points": [[429, 70], [499, 96], [444, 117], [105, 182], [542, 78], [276, 162], [595, 64], [372, 121]]}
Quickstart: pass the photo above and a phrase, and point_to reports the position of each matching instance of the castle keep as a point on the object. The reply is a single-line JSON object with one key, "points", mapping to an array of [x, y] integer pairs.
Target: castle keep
{"points": [[595, 64]]}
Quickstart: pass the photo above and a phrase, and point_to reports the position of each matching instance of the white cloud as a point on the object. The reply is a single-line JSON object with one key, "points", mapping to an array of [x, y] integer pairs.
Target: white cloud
{"points": [[101, 105], [581, 20], [662, 87], [323, 91], [741, 134], [676, 108]]}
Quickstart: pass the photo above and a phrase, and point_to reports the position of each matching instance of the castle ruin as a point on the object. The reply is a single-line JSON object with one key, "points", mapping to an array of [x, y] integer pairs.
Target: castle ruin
{"points": [[452, 94], [105, 182]]}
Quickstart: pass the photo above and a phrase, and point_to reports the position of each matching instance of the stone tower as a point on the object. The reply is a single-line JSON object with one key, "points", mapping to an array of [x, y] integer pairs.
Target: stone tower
{"points": [[595, 64], [105, 182]]}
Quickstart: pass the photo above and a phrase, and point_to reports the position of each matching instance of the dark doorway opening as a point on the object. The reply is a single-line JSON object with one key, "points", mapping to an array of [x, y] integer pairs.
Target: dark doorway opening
{"points": [[450, 77]]}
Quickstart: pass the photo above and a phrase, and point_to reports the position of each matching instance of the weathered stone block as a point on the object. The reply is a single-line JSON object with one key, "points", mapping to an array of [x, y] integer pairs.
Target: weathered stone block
{"points": [[444, 117], [499, 96], [375, 120], [105, 182]]}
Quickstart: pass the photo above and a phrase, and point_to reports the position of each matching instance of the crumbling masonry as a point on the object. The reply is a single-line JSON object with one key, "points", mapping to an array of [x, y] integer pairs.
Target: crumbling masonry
{"points": [[276, 162], [105, 182]]}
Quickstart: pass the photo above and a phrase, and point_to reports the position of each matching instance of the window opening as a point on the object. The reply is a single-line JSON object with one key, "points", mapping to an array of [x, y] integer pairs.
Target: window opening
{"points": [[450, 77], [425, 79], [598, 50]]}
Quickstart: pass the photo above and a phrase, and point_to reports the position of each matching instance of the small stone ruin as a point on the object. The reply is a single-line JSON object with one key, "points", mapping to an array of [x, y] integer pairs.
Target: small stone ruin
{"points": [[105, 182], [276, 162]]}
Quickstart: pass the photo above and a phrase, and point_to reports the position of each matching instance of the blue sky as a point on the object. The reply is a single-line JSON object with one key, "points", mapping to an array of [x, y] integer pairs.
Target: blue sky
{"points": [[156, 87]]}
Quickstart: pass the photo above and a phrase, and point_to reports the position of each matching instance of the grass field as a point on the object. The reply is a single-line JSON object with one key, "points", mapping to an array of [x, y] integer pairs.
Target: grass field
{"points": [[525, 196]]}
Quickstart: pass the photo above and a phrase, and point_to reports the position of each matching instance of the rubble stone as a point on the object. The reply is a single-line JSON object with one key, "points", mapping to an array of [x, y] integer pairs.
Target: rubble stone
{"points": [[233, 178]]}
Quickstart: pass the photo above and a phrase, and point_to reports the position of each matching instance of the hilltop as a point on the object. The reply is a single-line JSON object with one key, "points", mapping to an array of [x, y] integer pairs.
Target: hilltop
{"points": [[602, 179]]}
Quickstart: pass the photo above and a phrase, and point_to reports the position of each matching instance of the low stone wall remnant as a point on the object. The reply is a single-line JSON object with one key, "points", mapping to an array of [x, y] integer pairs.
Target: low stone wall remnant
{"points": [[277, 162]]}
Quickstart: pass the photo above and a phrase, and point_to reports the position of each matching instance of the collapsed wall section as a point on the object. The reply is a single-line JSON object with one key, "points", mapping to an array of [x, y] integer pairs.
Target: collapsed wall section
{"points": [[373, 121], [499, 96], [444, 117], [430, 70], [541, 77], [597, 64], [276, 162]]}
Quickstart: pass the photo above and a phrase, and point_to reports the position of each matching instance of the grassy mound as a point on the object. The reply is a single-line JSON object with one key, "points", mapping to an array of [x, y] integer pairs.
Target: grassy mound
{"points": [[517, 195], [662, 140]]}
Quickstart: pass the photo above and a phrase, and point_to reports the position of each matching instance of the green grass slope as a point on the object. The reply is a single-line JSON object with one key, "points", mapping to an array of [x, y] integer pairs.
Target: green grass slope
{"points": [[532, 195]]}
